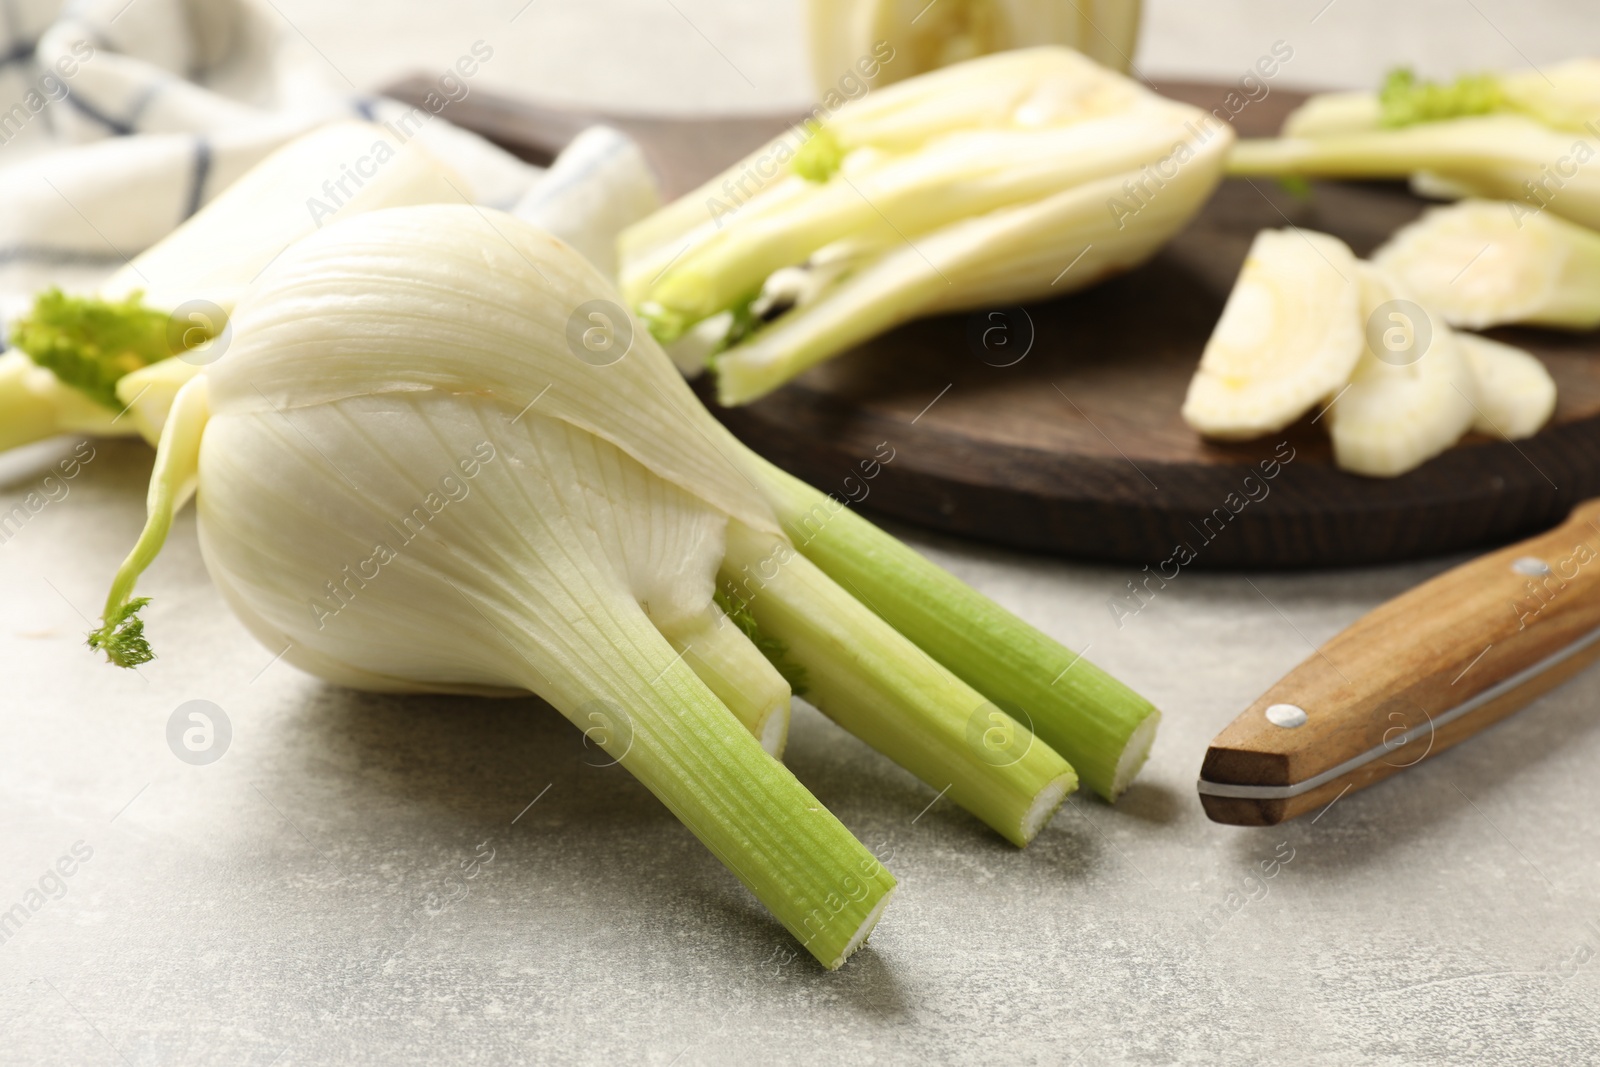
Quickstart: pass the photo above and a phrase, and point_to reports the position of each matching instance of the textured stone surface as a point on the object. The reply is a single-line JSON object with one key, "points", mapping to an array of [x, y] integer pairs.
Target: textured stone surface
{"points": [[306, 899]]}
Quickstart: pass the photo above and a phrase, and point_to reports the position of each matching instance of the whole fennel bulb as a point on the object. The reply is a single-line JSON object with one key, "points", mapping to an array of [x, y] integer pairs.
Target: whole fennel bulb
{"points": [[415, 472]]}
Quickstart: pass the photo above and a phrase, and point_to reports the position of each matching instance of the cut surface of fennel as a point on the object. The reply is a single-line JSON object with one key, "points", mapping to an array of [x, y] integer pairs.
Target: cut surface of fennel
{"points": [[1482, 263], [1516, 395], [382, 357], [1398, 413], [1288, 338], [1308, 323]]}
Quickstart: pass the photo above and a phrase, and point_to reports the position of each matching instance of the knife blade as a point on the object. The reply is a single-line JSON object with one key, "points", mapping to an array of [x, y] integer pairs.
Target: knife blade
{"points": [[1422, 672]]}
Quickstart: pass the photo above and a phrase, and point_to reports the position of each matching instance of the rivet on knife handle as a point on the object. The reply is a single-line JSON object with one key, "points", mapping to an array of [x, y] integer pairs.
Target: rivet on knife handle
{"points": [[1428, 669]]}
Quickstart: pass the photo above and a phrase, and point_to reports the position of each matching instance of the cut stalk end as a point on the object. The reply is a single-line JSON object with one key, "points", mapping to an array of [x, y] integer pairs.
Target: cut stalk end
{"points": [[736, 670], [1134, 753], [1045, 805], [863, 932]]}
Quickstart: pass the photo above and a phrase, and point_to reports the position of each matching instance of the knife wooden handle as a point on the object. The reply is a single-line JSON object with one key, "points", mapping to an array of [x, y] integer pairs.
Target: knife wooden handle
{"points": [[1428, 669]]}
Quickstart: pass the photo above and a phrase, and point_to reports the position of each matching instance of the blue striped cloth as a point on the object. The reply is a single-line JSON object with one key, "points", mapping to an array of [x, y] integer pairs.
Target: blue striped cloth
{"points": [[119, 119]]}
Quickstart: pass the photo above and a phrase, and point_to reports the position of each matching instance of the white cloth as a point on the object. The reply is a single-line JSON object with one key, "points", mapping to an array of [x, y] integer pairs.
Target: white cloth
{"points": [[120, 118]]}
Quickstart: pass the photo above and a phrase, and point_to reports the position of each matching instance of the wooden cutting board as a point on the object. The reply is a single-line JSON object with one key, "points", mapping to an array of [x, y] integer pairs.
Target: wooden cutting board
{"points": [[1077, 447]]}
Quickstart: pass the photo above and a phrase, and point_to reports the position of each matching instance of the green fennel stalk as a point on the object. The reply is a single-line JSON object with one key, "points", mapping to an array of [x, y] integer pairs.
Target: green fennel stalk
{"points": [[1099, 725], [882, 688]]}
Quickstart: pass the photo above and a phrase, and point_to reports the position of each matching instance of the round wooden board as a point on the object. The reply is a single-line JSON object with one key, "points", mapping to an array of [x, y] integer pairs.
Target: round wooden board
{"points": [[1077, 447]]}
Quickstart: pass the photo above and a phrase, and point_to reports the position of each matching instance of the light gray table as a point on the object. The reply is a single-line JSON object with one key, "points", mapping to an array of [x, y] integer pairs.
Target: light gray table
{"points": [[306, 899]]}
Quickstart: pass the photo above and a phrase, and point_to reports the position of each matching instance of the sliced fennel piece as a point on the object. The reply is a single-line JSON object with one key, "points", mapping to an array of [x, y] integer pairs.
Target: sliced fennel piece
{"points": [[597, 187], [1099, 725], [973, 185], [1516, 395], [882, 688], [1394, 416], [876, 42], [1028, 89], [963, 174], [1287, 340], [1483, 263], [198, 271]]}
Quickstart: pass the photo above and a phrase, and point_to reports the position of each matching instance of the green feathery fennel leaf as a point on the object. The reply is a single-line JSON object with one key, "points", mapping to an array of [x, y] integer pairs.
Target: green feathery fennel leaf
{"points": [[122, 637], [91, 343], [1407, 101], [776, 651]]}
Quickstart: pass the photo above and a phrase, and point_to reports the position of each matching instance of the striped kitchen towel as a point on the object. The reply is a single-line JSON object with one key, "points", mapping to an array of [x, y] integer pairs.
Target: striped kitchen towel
{"points": [[119, 119]]}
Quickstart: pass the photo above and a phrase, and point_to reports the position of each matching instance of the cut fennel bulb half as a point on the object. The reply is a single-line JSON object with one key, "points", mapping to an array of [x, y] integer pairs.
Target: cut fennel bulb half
{"points": [[1483, 263], [1288, 339], [1009, 178], [412, 473]]}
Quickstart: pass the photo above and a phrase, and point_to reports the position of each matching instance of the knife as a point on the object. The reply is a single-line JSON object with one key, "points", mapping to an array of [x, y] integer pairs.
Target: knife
{"points": [[1424, 671]]}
